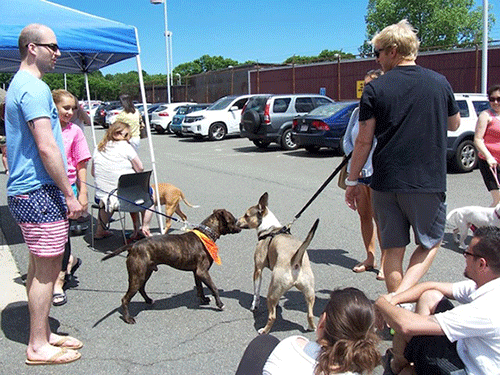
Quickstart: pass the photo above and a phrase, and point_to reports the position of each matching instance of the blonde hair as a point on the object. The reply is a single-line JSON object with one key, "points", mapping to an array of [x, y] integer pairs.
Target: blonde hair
{"points": [[349, 341], [111, 132], [402, 36], [59, 94]]}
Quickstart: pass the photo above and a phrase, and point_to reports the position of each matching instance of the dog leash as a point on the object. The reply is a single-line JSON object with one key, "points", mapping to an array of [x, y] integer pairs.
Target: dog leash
{"points": [[494, 172], [140, 202], [318, 192]]}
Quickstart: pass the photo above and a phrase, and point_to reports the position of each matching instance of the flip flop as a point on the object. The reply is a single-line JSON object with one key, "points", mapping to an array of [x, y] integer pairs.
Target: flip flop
{"points": [[62, 343], [56, 359], [61, 297], [361, 267]]}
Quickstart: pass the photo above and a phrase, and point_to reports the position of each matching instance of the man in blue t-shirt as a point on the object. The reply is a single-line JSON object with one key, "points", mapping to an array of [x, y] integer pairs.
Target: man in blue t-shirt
{"points": [[409, 110], [39, 195]]}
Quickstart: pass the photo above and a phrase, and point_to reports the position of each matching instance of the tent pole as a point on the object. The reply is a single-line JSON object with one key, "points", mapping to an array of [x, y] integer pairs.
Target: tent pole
{"points": [[148, 131], [91, 117]]}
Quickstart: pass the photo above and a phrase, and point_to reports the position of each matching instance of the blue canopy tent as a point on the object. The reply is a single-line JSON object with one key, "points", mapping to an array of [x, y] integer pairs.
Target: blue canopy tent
{"points": [[87, 43]]}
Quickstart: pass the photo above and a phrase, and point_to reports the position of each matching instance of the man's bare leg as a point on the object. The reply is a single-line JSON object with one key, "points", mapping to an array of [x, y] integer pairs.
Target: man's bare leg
{"points": [[393, 267], [419, 264], [42, 273]]}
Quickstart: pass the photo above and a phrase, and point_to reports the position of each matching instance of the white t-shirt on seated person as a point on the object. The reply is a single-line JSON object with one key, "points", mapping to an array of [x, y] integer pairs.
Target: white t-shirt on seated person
{"points": [[288, 357], [110, 164]]}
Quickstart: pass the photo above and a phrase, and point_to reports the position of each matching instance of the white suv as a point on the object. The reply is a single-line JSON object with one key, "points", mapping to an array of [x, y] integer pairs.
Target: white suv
{"points": [[217, 121], [461, 152], [161, 118]]}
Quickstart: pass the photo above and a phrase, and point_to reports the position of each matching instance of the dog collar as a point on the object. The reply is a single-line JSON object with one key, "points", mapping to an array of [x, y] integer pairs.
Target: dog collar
{"points": [[208, 232], [273, 233]]}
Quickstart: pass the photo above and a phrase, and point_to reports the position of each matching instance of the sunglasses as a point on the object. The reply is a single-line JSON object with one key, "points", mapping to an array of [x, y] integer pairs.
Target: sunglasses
{"points": [[465, 253], [53, 46], [121, 133], [494, 99], [377, 52]]}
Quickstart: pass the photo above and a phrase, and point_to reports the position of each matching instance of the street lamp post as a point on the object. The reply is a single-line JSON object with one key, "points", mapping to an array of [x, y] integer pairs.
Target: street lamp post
{"points": [[337, 56], [168, 50]]}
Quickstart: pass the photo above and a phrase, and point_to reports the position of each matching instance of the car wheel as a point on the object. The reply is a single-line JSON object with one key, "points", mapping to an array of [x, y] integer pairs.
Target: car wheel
{"points": [[312, 149], [251, 121], [217, 131], [159, 129], [168, 129], [466, 156], [261, 144], [287, 142]]}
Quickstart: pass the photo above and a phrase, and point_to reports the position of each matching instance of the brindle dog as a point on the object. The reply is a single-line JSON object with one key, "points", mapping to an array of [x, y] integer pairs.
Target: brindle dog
{"points": [[185, 252]]}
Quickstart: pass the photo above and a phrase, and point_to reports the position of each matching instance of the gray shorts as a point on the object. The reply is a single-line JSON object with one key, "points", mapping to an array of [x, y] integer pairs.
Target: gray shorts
{"points": [[396, 212]]}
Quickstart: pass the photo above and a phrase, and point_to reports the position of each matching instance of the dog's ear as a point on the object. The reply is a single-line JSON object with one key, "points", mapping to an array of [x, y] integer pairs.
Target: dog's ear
{"points": [[263, 201]]}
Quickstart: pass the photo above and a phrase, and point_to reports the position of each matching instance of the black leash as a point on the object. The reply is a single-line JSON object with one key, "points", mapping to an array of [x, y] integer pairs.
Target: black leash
{"points": [[322, 187]]}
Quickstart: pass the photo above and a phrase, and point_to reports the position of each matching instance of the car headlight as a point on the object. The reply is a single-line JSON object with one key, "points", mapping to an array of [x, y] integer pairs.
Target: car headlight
{"points": [[198, 118]]}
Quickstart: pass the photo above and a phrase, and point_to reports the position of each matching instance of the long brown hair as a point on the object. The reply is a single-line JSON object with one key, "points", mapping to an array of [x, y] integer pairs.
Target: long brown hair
{"points": [[110, 135], [349, 341]]}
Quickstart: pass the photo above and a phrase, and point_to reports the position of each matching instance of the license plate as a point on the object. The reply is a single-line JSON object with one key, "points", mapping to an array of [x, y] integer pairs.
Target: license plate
{"points": [[304, 128]]}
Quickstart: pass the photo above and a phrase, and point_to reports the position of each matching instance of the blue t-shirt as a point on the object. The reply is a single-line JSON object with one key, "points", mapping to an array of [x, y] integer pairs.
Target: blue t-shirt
{"points": [[28, 98]]}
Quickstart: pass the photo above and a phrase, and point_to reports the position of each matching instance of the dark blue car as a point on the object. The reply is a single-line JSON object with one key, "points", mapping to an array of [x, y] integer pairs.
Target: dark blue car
{"points": [[323, 126]]}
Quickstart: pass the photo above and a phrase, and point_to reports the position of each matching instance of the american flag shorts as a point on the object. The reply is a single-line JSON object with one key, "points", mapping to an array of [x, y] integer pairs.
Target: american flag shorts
{"points": [[41, 214]]}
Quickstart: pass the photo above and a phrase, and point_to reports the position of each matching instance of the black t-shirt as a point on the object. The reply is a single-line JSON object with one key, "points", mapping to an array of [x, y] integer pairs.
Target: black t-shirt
{"points": [[411, 106]]}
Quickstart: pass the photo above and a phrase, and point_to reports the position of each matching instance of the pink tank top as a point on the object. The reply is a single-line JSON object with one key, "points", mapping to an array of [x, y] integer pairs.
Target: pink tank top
{"points": [[492, 136]]}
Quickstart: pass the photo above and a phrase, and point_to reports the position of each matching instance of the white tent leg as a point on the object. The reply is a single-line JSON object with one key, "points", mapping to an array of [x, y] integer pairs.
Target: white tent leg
{"points": [[87, 88], [148, 130]]}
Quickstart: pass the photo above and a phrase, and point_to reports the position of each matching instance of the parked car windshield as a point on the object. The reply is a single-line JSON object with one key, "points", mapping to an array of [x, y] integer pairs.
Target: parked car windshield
{"points": [[328, 110], [220, 104], [182, 110]]}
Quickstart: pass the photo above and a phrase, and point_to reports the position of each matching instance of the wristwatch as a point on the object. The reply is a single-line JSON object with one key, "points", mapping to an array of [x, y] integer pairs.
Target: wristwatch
{"points": [[351, 183]]}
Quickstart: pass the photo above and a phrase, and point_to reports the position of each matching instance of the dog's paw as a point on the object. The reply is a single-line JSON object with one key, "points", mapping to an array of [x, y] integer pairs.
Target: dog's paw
{"points": [[128, 320], [456, 237], [149, 301], [204, 300], [262, 331], [311, 328], [221, 307]]}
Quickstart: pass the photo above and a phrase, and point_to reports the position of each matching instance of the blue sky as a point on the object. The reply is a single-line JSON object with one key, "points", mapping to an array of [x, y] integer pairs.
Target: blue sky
{"points": [[268, 31]]}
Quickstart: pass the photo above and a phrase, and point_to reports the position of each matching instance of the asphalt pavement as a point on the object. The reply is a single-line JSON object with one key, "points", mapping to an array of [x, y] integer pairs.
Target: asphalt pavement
{"points": [[175, 335]]}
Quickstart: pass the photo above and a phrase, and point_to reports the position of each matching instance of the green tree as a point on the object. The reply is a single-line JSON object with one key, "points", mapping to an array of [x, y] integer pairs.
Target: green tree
{"points": [[325, 55], [440, 23], [205, 63]]}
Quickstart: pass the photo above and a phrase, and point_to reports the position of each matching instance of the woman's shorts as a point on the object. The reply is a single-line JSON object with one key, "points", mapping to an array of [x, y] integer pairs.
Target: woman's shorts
{"points": [[42, 216], [395, 213], [488, 178]]}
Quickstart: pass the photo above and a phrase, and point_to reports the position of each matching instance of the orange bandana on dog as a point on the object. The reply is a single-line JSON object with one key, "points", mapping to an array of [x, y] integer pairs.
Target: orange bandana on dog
{"points": [[210, 245]]}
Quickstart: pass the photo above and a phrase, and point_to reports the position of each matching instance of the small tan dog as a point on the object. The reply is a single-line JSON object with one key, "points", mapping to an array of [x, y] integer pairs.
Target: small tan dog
{"points": [[170, 196], [285, 255]]}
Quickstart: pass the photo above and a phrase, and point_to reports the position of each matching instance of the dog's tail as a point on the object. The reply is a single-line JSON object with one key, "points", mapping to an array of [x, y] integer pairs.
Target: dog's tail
{"points": [[297, 257], [117, 251], [186, 202]]}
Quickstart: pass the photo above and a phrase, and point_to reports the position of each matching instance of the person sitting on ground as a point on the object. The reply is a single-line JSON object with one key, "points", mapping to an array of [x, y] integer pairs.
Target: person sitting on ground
{"points": [[468, 335], [346, 342], [114, 157], [77, 157]]}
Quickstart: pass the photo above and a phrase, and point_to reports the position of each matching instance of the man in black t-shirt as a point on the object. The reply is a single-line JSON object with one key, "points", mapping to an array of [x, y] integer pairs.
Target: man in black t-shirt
{"points": [[409, 110]]}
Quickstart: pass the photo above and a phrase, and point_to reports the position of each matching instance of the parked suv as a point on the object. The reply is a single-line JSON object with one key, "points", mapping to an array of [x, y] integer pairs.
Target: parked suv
{"points": [[176, 125], [161, 118], [217, 121], [100, 113], [461, 152], [268, 118]]}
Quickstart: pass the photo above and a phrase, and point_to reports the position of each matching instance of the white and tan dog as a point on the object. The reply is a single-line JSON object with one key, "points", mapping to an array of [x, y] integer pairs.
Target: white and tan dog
{"points": [[285, 255], [461, 219]]}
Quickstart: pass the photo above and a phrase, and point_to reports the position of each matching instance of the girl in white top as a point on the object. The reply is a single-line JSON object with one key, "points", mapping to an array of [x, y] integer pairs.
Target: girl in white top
{"points": [[114, 157], [346, 341]]}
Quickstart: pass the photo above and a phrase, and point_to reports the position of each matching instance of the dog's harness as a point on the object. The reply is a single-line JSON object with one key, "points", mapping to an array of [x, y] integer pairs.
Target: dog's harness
{"points": [[274, 232]]}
